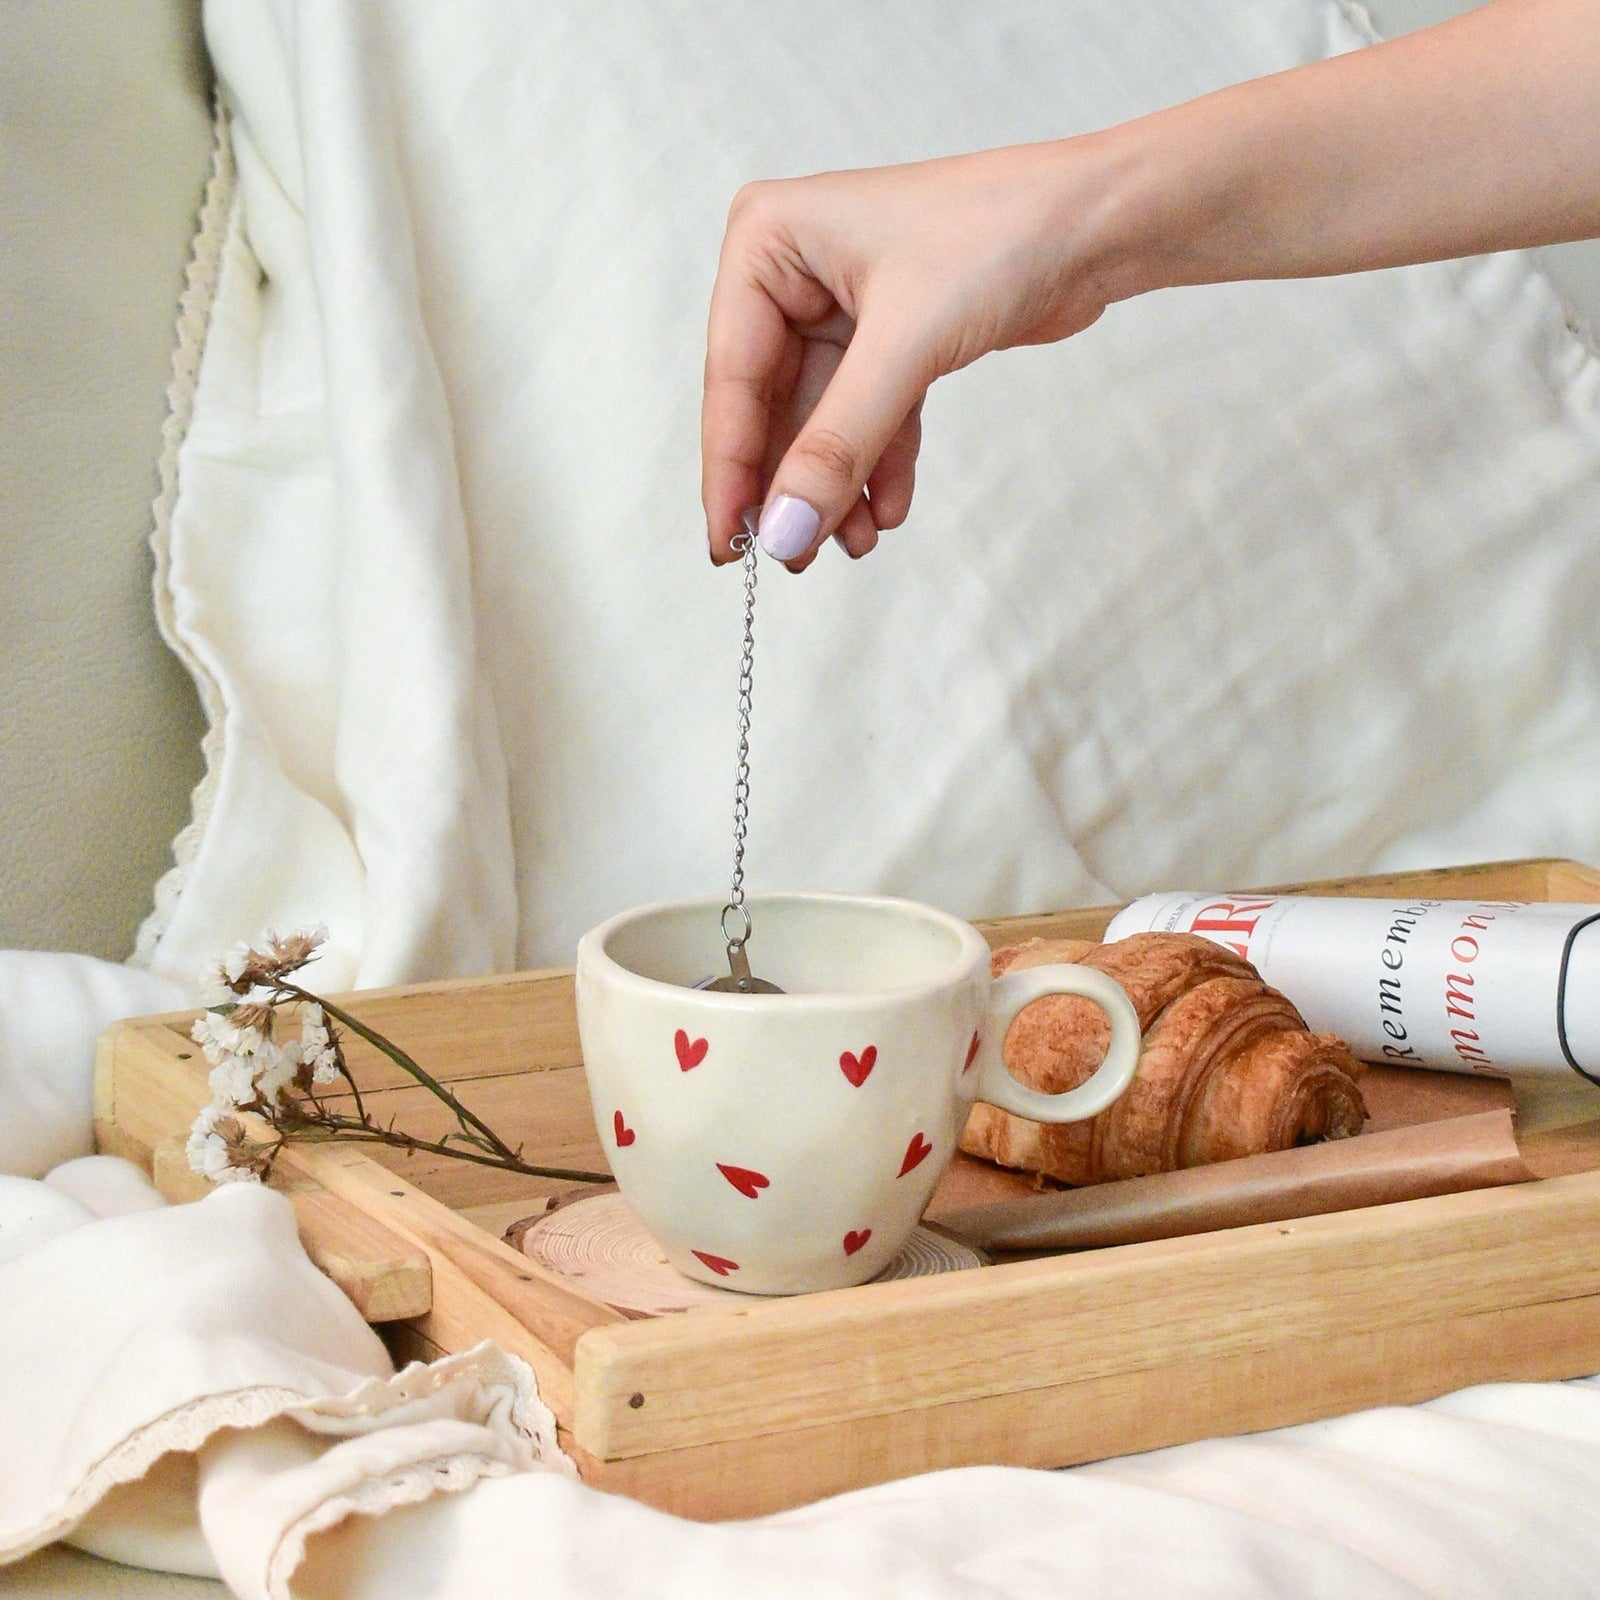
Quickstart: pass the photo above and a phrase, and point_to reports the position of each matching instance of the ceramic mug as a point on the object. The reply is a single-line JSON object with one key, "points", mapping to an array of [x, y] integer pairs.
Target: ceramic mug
{"points": [[781, 1143]]}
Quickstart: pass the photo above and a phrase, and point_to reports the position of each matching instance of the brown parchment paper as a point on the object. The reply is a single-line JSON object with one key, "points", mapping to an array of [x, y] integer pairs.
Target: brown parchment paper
{"points": [[1440, 1156]]}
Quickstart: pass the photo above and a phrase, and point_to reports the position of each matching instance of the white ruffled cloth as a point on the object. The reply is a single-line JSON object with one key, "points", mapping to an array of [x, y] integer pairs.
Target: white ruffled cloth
{"points": [[224, 1403], [429, 542]]}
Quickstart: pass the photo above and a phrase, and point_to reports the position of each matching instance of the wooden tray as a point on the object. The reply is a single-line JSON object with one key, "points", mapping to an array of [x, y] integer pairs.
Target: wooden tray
{"points": [[1046, 1362]]}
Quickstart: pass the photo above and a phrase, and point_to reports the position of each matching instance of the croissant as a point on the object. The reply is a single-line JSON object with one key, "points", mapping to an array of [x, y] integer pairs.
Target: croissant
{"points": [[1228, 1067]]}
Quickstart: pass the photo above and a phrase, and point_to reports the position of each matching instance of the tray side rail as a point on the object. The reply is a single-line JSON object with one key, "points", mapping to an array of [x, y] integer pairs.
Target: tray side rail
{"points": [[1069, 1423], [1099, 1317]]}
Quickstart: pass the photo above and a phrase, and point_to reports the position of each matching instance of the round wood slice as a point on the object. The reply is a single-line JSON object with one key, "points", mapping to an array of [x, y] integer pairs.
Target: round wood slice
{"points": [[599, 1241]]}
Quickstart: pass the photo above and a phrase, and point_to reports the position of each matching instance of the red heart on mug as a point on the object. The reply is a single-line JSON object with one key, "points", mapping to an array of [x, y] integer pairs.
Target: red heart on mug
{"points": [[748, 1183], [625, 1134], [720, 1265], [857, 1067], [852, 1241], [917, 1152], [972, 1053], [691, 1052]]}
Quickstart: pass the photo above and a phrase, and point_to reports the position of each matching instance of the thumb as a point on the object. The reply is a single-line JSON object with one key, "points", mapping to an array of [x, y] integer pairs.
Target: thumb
{"points": [[824, 471]]}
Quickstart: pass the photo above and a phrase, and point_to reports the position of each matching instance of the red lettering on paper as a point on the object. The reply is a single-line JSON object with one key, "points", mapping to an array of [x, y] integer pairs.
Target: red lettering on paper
{"points": [[1231, 917], [1457, 1001]]}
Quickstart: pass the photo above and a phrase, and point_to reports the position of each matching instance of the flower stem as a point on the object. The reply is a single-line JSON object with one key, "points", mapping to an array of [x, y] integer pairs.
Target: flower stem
{"points": [[346, 1128], [508, 1156]]}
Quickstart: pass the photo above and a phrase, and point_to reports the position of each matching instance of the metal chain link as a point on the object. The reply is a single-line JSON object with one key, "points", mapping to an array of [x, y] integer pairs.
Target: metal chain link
{"points": [[740, 979], [745, 545]]}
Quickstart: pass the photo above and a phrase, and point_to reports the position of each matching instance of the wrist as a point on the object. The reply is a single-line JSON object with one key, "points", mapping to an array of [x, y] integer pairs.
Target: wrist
{"points": [[1143, 201]]}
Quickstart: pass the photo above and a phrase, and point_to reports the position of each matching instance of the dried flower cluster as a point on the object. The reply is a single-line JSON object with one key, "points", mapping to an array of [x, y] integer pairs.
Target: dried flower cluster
{"points": [[278, 1070]]}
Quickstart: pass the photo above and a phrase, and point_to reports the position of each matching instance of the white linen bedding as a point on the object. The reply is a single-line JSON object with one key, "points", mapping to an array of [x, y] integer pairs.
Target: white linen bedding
{"points": [[1245, 583]]}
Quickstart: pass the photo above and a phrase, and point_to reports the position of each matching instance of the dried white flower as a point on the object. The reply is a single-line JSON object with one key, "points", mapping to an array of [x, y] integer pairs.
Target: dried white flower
{"points": [[247, 969], [220, 1037], [275, 1068], [313, 1032], [217, 979], [265, 1070], [204, 1034], [233, 1081], [277, 955], [216, 1147], [214, 990], [316, 1046], [249, 1068]]}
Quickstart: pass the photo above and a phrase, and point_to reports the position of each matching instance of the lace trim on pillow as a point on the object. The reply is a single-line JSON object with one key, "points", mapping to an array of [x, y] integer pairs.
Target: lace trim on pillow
{"points": [[194, 316]]}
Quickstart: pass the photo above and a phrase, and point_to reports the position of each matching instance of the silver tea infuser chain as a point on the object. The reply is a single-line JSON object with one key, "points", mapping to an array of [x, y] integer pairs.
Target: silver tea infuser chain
{"points": [[740, 979]]}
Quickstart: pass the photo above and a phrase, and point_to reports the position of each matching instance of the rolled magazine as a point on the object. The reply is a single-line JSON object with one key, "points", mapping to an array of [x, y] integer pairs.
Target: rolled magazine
{"points": [[1478, 986]]}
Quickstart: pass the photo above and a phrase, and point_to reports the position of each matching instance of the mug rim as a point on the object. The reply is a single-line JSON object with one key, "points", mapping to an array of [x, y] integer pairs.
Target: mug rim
{"points": [[974, 952]]}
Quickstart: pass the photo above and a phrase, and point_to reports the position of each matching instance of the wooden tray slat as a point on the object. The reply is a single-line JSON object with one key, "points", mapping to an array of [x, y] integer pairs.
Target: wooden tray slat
{"points": [[515, 1023], [386, 1278]]}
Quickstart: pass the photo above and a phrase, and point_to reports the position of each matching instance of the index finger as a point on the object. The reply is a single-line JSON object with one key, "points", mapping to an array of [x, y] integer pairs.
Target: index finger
{"points": [[745, 344]]}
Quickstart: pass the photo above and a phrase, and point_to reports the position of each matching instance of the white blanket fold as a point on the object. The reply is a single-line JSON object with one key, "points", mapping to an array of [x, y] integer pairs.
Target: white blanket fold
{"points": [[52, 1009], [207, 1320]]}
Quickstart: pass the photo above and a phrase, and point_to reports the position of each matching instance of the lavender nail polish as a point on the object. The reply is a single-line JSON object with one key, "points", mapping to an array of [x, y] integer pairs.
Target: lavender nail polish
{"points": [[788, 527]]}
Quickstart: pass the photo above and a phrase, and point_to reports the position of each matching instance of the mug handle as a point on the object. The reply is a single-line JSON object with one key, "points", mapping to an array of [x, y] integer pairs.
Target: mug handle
{"points": [[1015, 990]]}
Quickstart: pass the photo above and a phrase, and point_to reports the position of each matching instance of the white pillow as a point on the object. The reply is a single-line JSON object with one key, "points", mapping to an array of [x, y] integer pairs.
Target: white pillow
{"points": [[1244, 584]]}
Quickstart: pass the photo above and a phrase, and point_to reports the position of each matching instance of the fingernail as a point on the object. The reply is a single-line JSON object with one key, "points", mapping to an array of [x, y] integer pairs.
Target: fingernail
{"points": [[788, 527]]}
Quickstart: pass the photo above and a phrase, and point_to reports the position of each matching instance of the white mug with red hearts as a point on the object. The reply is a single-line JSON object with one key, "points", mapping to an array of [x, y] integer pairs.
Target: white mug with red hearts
{"points": [[781, 1143]]}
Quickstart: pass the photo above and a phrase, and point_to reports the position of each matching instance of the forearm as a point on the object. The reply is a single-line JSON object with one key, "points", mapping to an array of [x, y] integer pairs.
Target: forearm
{"points": [[841, 297], [1480, 134]]}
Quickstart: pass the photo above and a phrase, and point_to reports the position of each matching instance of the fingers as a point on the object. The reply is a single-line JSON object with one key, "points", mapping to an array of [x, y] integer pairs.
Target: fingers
{"points": [[894, 478], [744, 349], [763, 292], [857, 535], [819, 482], [799, 395]]}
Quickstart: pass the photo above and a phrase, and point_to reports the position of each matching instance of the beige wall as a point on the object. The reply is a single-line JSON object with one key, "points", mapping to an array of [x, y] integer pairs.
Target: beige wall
{"points": [[105, 140]]}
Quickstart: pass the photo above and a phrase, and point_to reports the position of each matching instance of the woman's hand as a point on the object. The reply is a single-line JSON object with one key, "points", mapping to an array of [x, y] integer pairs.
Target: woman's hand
{"points": [[840, 298]]}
